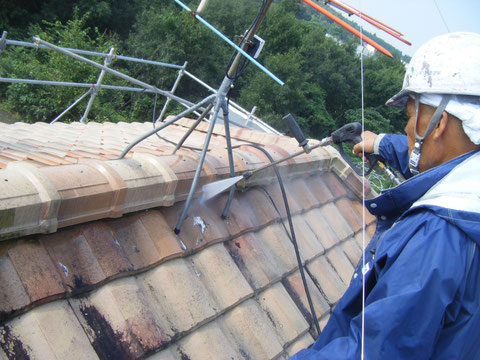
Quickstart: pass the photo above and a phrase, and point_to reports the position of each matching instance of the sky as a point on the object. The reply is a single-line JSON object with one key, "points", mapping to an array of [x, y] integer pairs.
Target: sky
{"points": [[419, 20]]}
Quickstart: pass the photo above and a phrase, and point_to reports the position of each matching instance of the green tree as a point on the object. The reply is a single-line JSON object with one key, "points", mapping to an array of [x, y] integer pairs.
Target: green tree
{"points": [[43, 103]]}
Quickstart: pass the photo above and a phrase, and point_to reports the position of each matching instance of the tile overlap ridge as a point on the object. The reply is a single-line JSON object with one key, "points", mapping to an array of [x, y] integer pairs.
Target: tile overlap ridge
{"points": [[55, 179]]}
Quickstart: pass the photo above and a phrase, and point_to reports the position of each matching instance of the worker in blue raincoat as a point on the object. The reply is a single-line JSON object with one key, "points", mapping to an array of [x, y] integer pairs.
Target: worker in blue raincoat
{"points": [[422, 266]]}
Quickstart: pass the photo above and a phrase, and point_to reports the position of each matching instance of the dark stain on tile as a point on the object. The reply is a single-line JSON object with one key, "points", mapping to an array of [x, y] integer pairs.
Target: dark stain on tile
{"points": [[107, 343], [183, 356], [11, 345], [232, 248], [297, 300]]}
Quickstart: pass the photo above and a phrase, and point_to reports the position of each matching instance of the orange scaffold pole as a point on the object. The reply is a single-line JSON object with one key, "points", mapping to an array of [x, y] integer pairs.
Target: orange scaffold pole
{"points": [[352, 11], [347, 27]]}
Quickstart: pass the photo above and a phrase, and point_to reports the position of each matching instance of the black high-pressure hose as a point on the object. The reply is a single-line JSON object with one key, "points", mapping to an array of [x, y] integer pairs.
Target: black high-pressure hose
{"points": [[292, 232]]}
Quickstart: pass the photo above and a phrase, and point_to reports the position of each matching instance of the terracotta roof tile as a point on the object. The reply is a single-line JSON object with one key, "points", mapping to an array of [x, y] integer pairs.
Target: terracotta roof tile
{"points": [[105, 248], [275, 194], [275, 241], [50, 332], [135, 241], [334, 185], [217, 271], [161, 234], [346, 208], [294, 286], [304, 342], [256, 265], [352, 250], [327, 279], [36, 270], [117, 319], [336, 221], [129, 287], [201, 227], [320, 227], [340, 262], [73, 259], [13, 295], [239, 218], [203, 344], [252, 332], [308, 243], [174, 291], [282, 313]]}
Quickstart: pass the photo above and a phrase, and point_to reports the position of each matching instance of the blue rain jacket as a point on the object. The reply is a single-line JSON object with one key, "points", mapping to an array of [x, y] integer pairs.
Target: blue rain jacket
{"points": [[422, 269]]}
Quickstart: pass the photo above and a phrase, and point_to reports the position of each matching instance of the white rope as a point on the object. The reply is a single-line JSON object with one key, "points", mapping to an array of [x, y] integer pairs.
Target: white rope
{"points": [[363, 187]]}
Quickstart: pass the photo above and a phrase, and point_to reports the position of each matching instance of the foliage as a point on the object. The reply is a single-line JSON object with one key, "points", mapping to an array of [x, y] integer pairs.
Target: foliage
{"points": [[318, 61], [43, 103]]}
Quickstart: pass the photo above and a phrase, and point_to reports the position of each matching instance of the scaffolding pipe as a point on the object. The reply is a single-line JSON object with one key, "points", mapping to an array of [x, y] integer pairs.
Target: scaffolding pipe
{"points": [[96, 88], [183, 102], [193, 127], [174, 87], [231, 43], [220, 100], [71, 106], [107, 69], [208, 99], [93, 53]]}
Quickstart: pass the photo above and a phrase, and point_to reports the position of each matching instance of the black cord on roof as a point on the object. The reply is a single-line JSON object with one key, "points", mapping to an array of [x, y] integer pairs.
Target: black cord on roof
{"points": [[291, 234]]}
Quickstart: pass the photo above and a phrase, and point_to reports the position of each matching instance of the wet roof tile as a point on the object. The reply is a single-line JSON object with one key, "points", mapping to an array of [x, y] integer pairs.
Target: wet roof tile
{"points": [[221, 277], [282, 312], [106, 249], [50, 331], [135, 241], [294, 286], [173, 290], [73, 259], [119, 314], [36, 270], [223, 286], [327, 279], [256, 265], [13, 295], [202, 344], [252, 332]]}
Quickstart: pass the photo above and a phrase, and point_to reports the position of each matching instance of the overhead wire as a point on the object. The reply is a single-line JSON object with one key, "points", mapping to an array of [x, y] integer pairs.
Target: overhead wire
{"points": [[441, 15]]}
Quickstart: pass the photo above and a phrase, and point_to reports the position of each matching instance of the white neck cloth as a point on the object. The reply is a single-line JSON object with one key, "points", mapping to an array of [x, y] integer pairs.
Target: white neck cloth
{"points": [[466, 108]]}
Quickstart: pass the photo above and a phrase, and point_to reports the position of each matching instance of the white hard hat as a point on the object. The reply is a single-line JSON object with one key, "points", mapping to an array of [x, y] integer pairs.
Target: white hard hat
{"points": [[447, 64]]}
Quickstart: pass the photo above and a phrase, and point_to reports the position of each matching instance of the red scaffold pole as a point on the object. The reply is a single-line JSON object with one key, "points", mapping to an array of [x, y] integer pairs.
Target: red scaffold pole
{"points": [[347, 27]]}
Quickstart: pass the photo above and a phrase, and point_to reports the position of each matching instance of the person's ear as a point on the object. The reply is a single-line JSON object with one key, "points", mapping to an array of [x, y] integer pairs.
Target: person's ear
{"points": [[441, 128]]}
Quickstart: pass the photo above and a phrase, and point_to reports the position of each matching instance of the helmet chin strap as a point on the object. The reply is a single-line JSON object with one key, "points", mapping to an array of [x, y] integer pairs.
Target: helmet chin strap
{"points": [[416, 152]]}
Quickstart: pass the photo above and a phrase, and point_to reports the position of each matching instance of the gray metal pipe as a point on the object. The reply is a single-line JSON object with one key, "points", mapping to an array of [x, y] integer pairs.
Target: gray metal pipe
{"points": [[220, 98], [165, 124], [96, 88], [226, 120], [94, 53], [107, 69], [174, 87], [193, 127], [71, 106]]}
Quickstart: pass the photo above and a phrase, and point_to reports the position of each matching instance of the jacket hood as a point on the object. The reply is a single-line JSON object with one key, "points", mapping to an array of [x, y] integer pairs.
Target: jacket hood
{"points": [[456, 197]]}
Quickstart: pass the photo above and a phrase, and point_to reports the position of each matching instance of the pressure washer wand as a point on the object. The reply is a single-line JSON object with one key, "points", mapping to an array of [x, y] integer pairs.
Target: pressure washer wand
{"points": [[349, 132]]}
